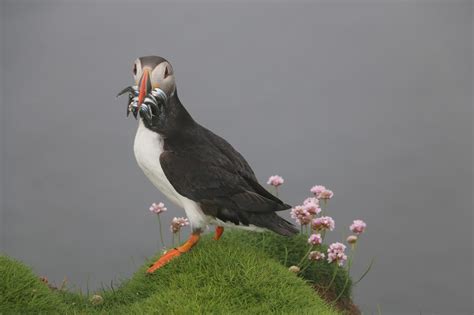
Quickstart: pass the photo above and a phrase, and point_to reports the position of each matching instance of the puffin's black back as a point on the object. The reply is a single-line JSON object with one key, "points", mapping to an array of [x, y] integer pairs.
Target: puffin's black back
{"points": [[205, 168]]}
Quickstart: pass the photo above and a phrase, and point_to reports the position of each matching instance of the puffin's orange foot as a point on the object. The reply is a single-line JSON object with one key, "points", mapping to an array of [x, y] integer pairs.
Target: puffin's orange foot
{"points": [[175, 252], [163, 260], [219, 231]]}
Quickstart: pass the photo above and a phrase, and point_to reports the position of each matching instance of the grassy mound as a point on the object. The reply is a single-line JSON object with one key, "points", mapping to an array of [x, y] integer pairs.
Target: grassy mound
{"points": [[22, 292], [241, 272]]}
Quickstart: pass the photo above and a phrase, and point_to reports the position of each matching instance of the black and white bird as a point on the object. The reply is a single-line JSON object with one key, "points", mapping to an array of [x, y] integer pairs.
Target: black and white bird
{"points": [[195, 168]]}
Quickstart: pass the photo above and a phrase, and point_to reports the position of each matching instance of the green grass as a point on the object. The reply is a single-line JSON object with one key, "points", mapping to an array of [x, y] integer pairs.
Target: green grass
{"points": [[242, 272], [22, 292]]}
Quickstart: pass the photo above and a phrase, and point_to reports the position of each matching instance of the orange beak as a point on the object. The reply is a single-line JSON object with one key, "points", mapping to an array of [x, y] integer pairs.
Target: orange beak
{"points": [[144, 87]]}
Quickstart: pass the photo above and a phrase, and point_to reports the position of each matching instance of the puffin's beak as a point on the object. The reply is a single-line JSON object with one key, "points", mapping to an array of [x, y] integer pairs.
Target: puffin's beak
{"points": [[144, 87]]}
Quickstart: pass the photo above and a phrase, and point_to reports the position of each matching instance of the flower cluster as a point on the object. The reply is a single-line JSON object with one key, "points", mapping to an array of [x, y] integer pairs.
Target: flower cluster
{"points": [[323, 223], [315, 255], [315, 239], [314, 223], [336, 253], [301, 215], [158, 208], [321, 192], [275, 180], [310, 216], [178, 223], [311, 205], [310, 209], [358, 227], [352, 239]]}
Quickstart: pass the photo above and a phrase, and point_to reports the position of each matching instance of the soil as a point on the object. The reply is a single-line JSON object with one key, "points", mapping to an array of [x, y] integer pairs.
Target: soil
{"points": [[344, 305]]}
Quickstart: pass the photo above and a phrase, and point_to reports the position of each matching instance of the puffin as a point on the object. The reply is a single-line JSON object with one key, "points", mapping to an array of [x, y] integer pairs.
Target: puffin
{"points": [[192, 166]]}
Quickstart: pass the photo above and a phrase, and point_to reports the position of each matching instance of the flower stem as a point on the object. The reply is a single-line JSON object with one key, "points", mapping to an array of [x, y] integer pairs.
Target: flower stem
{"points": [[276, 191], [305, 267], [308, 263], [349, 265], [336, 269], [161, 232], [306, 255], [324, 207], [366, 272], [286, 256]]}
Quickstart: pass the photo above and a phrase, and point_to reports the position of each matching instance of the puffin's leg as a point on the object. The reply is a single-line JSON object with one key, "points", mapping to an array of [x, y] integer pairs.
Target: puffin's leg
{"points": [[175, 252], [219, 231]]}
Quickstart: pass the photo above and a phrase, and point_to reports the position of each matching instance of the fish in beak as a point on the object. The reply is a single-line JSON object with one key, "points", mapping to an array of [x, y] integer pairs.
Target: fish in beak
{"points": [[146, 98]]}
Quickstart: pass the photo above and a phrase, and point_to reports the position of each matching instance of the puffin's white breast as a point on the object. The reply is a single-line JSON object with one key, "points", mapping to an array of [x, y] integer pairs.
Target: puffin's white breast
{"points": [[148, 147]]}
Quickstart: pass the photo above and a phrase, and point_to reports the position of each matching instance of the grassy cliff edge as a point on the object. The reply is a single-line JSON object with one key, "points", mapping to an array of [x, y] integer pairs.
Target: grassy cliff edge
{"points": [[241, 272]]}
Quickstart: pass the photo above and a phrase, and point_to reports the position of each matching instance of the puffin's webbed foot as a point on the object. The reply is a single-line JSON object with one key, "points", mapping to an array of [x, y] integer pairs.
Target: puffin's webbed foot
{"points": [[175, 252], [219, 231]]}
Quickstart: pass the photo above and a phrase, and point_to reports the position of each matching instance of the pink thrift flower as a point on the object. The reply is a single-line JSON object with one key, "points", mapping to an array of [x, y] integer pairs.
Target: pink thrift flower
{"points": [[311, 200], [352, 239], [322, 192], [275, 180], [312, 205], [178, 223], [358, 227], [158, 208], [315, 255], [315, 239], [301, 216], [336, 253], [323, 223], [316, 190], [326, 194]]}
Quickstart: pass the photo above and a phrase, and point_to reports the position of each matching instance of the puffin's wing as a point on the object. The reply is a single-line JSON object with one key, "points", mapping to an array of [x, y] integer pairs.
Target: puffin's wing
{"points": [[210, 179]]}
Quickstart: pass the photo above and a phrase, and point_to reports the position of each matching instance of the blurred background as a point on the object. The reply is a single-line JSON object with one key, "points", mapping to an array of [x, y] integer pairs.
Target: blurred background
{"points": [[370, 98]]}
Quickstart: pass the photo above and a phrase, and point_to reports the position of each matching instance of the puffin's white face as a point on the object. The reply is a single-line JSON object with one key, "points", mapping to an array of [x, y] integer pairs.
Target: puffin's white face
{"points": [[150, 73], [154, 85]]}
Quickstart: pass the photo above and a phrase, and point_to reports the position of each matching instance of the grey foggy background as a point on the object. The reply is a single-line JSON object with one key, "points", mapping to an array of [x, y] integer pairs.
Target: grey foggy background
{"points": [[372, 99]]}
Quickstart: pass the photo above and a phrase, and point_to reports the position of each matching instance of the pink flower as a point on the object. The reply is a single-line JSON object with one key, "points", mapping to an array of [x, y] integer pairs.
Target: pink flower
{"points": [[275, 180], [301, 216], [315, 255], [315, 239], [321, 192], [323, 223], [311, 200], [358, 227], [325, 195], [316, 190], [336, 253], [312, 205], [178, 223], [158, 208], [352, 239]]}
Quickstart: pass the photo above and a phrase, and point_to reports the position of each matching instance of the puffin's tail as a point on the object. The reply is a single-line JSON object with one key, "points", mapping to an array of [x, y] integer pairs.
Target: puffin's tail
{"points": [[274, 223]]}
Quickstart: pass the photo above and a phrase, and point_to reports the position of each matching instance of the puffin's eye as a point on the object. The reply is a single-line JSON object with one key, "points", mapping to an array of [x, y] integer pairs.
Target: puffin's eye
{"points": [[135, 69], [167, 73]]}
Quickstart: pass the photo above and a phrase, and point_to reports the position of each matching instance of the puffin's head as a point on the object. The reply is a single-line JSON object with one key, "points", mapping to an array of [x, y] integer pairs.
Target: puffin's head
{"points": [[154, 78], [152, 72]]}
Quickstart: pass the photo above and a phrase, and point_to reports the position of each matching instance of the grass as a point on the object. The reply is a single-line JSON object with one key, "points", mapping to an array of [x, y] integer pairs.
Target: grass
{"points": [[241, 272], [22, 292]]}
